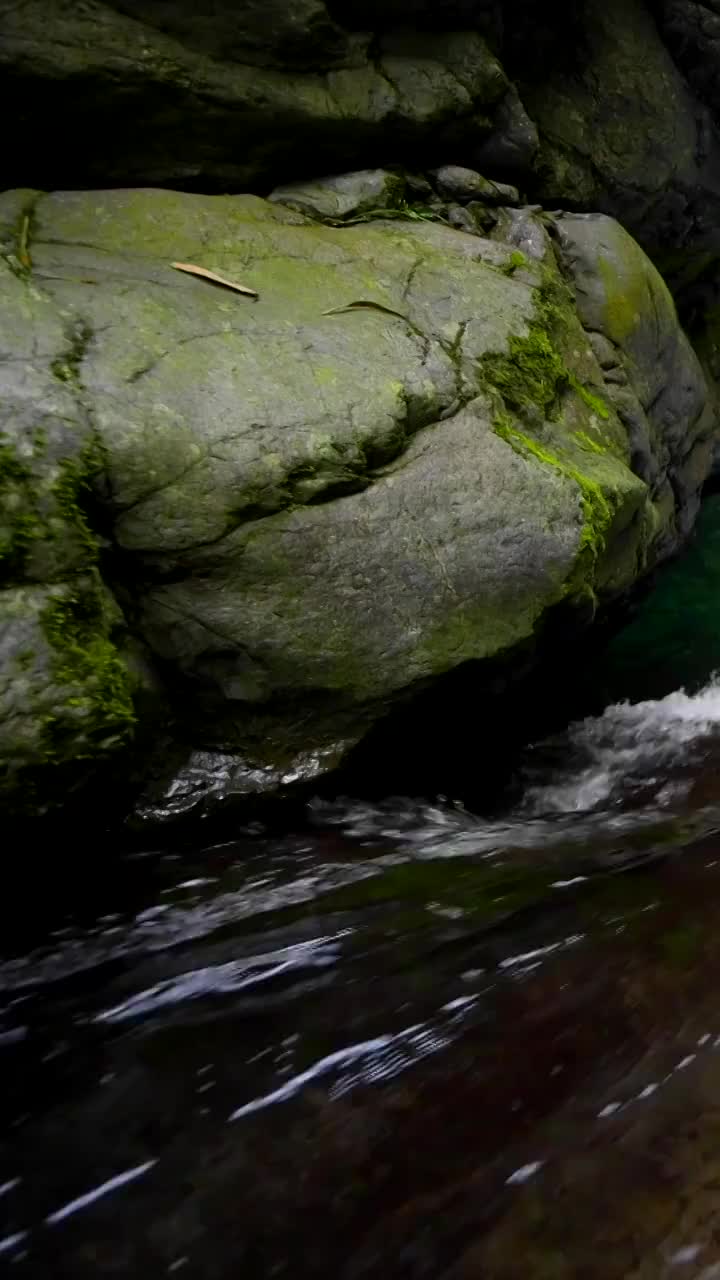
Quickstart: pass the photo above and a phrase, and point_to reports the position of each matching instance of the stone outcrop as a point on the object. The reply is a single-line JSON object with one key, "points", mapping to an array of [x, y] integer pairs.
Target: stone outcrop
{"points": [[412, 445]]}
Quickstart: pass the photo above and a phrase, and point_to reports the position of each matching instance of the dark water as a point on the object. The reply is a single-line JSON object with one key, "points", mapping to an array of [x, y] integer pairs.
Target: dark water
{"points": [[401, 1041]]}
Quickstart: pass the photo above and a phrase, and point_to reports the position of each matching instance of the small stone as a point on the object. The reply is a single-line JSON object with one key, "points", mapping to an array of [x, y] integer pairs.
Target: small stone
{"points": [[461, 219], [457, 183], [343, 195]]}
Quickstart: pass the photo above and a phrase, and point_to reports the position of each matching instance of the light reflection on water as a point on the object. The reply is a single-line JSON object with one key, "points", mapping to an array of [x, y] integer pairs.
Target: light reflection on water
{"points": [[273, 973]]}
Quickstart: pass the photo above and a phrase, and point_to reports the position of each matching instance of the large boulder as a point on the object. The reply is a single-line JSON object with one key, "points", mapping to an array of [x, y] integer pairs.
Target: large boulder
{"points": [[394, 461]]}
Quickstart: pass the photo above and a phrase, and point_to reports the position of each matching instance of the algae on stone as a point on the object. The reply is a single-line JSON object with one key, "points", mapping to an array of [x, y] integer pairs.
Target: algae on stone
{"points": [[320, 508], [65, 693]]}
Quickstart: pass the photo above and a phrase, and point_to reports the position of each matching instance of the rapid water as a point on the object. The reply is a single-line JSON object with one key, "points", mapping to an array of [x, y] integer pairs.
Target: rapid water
{"points": [[352, 1049]]}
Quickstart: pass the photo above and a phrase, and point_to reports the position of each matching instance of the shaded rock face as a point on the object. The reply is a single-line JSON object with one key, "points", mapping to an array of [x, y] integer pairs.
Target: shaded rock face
{"points": [[692, 31], [620, 128], [395, 461], [240, 96], [584, 107]]}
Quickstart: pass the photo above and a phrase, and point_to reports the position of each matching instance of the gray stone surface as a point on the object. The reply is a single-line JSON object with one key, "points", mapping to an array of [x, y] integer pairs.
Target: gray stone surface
{"points": [[343, 195], [394, 461], [457, 183], [653, 377]]}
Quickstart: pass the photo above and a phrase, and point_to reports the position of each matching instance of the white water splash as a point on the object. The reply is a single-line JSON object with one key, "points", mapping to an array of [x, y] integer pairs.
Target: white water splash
{"points": [[630, 745], [11, 1242], [524, 1174], [574, 801], [527, 957], [370, 1061], [589, 770], [222, 979], [105, 1188]]}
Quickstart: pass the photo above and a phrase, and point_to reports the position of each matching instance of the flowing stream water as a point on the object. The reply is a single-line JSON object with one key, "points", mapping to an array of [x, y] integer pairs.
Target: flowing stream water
{"points": [[402, 1039]]}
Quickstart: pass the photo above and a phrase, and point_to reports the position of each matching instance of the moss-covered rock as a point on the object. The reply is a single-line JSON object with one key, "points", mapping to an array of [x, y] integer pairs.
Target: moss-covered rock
{"points": [[652, 377], [65, 692], [394, 461]]}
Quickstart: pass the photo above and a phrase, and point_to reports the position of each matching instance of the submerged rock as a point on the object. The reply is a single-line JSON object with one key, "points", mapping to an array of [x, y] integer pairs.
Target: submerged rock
{"points": [[396, 460]]}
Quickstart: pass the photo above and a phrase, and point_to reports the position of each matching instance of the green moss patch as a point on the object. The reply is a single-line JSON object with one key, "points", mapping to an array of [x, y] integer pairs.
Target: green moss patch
{"points": [[597, 512], [97, 713], [19, 522], [45, 507], [533, 374], [516, 260]]}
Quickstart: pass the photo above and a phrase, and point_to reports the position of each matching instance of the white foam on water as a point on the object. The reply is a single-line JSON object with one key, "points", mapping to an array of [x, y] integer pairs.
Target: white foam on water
{"points": [[609, 1110], [105, 1188], [222, 979], [524, 1173], [596, 763], [629, 742], [685, 1062], [575, 804], [648, 1091], [157, 928], [683, 1257], [11, 1242], [527, 956], [371, 1061]]}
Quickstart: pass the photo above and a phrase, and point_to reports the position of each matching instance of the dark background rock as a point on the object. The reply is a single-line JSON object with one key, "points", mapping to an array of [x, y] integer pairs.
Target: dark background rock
{"points": [[239, 98], [582, 107]]}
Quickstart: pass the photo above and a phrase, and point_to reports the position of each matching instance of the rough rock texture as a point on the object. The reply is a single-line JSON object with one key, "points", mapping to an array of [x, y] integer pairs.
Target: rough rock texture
{"points": [[344, 196], [457, 183], [311, 507], [652, 377], [234, 97], [692, 30], [620, 130], [611, 108], [244, 95], [65, 691]]}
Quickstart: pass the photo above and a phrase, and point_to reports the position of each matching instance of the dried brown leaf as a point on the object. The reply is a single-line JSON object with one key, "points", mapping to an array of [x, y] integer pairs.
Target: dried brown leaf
{"points": [[215, 278], [365, 305], [23, 254]]}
